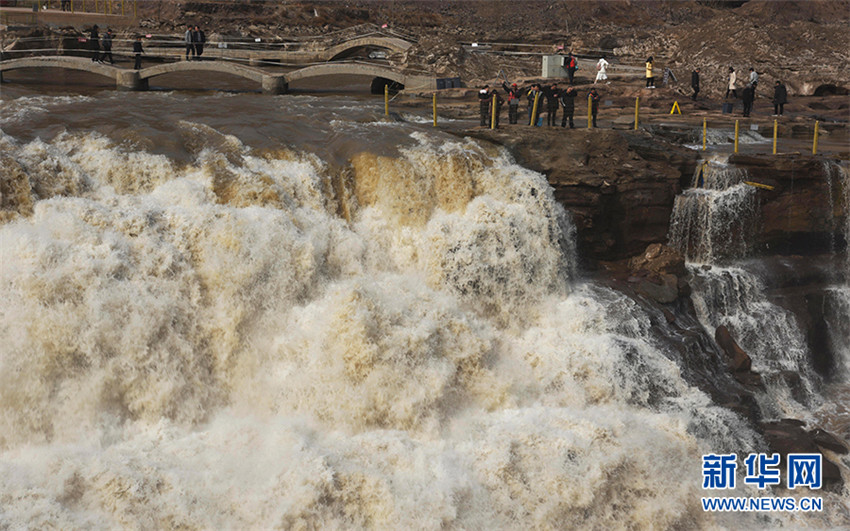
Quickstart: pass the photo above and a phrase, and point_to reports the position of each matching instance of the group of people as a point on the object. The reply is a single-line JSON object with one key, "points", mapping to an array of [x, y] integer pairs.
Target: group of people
{"points": [[490, 103], [748, 95], [194, 39], [101, 47]]}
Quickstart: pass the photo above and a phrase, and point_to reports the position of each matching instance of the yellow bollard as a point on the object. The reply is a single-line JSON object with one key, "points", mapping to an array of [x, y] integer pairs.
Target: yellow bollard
{"points": [[110, 7], [534, 109], [386, 100], [775, 131], [72, 6], [704, 133], [135, 11], [589, 117], [122, 8], [493, 111], [637, 111], [815, 144], [435, 109], [95, 6], [736, 136]]}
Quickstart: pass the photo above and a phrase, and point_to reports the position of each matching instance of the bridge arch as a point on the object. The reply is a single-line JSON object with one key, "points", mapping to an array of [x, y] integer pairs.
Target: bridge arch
{"points": [[392, 44], [357, 69], [81, 64], [224, 67]]}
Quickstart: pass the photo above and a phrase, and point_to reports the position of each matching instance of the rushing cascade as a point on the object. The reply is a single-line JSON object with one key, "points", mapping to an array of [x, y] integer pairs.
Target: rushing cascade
{"points": [[713, 218]]}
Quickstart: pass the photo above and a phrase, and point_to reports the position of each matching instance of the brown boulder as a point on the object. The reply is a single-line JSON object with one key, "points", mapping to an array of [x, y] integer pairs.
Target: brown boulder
{"points": [[660, 259], [828, 441], [739, 360]]}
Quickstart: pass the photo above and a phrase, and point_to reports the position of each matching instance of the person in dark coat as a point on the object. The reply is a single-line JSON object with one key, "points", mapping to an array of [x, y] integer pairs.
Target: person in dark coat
{"points": [[533, 94], [199, 38], [137, 50], [780, 98], [748, 96], [552, 94], [106, 44], [695, 83], [568, 102], [94, 39], [572, 64], [484, 97], [594, 104], [513, 101]]}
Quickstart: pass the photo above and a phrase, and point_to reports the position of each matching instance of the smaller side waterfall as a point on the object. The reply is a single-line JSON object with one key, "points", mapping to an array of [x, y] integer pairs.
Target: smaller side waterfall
{"points": [[714, 219], [770, 334]]}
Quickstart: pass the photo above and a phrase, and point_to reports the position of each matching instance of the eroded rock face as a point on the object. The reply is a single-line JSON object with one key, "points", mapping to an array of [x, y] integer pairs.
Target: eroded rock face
{"points": [[788, 436]]}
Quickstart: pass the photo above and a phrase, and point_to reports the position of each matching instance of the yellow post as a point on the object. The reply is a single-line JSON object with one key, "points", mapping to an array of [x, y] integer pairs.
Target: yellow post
{"points": [[435, 109], [122, 8], [135, 9], [493, 105], [95, 6], [110, 7], [775, 131], [534, 109], [72, 6], [815, 144], [386, 100], [637, 111], [589, 119], [704, 133], [736, 136]]}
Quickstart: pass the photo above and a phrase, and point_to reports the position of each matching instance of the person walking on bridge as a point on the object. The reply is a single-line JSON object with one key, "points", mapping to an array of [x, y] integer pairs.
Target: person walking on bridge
{"points": [[190, 42], [513, 101], [106, 43], [199, 38], [754, 80], [94, 39], [137, 51], [568, 102]]}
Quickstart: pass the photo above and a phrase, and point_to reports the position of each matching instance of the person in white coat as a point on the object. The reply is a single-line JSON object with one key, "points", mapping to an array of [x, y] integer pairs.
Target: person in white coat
{"points": [[601, 70], [731, 88]]}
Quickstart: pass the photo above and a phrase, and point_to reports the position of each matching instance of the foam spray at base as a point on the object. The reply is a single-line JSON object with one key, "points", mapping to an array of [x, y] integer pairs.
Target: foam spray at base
{"points": [[336, 323]]}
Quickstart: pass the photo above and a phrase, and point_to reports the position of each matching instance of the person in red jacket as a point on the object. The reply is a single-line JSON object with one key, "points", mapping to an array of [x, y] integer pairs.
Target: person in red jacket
{"points": [[513, 101]]}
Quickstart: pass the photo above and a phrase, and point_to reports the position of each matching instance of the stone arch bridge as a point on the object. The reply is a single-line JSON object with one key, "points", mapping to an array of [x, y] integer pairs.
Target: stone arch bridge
{"points": [[126, 79]]}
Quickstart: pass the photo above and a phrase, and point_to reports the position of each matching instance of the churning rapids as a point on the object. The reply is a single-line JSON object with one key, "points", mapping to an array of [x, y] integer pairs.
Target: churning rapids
{"points": [[241, 311]]}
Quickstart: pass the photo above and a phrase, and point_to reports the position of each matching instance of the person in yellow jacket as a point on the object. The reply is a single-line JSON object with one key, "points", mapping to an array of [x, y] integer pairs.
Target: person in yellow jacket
{"points": [[650, 80]]}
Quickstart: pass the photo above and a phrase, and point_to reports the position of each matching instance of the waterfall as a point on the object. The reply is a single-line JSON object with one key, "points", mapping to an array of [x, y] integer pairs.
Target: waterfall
{"points": [[713, 219]]}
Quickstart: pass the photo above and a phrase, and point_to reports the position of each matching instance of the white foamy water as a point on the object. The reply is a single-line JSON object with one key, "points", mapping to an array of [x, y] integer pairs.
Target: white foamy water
{"points": [[254, 340], [713, 219]]}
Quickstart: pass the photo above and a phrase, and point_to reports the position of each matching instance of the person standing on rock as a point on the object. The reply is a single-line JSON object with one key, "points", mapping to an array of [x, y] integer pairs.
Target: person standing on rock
{"points": [[731, 87], [513, 101], [190, 43], [594, 104], [533, 94], [748, 97], [780, 98], [199, 38], [568, 102], [137, 51], [552, 94], [106, 43], [484, 97], [601, 70], [650, 79], [695, 83], [572, 65]]}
